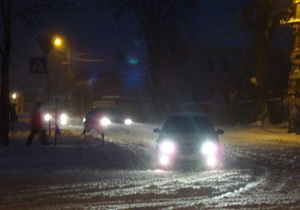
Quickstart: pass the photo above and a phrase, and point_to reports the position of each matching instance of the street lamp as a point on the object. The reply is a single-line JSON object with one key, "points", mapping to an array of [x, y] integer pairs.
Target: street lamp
{"points": [[47, 44], [14, 96], [62, 47], [57, 42]]}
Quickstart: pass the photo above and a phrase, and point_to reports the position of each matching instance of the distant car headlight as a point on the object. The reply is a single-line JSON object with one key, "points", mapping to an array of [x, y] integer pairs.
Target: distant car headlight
{"points": [[128, 121], [47, 117], [209, 148], [105, 121], [167, 147], [63, 119]]}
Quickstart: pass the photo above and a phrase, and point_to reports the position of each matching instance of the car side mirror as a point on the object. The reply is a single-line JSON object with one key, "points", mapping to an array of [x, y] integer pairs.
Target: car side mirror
{"points": [[220, 132], [156, 130]]}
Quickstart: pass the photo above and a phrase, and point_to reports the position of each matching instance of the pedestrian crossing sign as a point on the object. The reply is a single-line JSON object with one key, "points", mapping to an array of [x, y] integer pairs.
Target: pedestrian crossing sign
{"points": [[38, 65]]}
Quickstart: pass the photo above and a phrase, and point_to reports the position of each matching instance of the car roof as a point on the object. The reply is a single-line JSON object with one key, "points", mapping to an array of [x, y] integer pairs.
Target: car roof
{"points": [[105, 108]]}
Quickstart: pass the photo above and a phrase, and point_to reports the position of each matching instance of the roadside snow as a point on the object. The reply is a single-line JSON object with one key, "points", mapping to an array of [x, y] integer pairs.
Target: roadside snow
{"points": [[254, 134]]}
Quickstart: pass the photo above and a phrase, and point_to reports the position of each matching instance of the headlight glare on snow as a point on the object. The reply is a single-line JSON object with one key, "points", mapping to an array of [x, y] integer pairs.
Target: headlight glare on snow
{"points": [[105, 121], [167, 147]]}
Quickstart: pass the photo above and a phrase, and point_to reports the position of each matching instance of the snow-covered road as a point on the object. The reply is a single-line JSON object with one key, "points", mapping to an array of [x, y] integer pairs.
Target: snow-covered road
{"points": [[262, 171]]}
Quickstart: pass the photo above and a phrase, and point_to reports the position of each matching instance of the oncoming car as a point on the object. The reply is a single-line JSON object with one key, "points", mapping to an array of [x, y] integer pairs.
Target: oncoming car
{"points": [[102, 118], [62, 118], [187, 137]]}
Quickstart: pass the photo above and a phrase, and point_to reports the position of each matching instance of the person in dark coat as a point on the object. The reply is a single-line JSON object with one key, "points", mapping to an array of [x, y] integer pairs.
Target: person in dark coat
{"points": [[36, 125], [13, 117]]}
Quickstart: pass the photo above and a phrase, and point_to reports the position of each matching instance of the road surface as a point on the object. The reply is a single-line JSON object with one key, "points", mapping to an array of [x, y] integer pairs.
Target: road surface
{"points": [[261, 171]]}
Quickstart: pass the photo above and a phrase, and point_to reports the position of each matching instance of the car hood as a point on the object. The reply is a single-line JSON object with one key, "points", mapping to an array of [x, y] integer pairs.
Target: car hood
{"points": [[113, 118], [187, 138]]}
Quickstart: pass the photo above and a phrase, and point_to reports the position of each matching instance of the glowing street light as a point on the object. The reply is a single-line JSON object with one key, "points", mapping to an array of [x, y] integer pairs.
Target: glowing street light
{"points": [[14, 96], [57, 42]]}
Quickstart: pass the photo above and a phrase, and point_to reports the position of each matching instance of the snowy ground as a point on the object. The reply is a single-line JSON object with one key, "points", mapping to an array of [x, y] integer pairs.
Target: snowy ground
{"points": [[262, 171]]}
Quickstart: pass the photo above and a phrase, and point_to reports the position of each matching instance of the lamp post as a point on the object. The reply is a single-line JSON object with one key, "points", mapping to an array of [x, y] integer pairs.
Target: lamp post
{"points": [[46, 45], [63, 48], [58, 42]]}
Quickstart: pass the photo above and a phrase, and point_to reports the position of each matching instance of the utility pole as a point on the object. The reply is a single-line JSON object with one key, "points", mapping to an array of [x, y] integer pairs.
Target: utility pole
{"points": [[293, 95]]}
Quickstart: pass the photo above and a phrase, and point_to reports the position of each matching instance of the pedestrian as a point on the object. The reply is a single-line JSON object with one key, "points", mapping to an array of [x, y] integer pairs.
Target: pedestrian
{"points": [[13, 117], [36, 125]]}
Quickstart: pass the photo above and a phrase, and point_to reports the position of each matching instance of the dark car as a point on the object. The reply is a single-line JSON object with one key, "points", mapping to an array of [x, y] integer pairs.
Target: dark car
{"points": [[103, 118], [188, 137]]}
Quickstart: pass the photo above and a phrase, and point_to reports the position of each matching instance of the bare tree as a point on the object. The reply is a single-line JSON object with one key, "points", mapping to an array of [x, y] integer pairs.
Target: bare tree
{"points": [[263, 37], [157, 18], [31, 13], [262, 17]]}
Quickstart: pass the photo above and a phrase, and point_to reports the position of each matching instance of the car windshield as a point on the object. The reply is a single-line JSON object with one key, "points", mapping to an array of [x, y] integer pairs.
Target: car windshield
{"points": [[106, 110], [190, 124]]}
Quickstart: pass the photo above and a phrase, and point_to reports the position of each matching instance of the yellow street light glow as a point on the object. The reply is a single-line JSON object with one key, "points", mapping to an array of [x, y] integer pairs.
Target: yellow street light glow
{"points": [[14, 96], [57, 42]]}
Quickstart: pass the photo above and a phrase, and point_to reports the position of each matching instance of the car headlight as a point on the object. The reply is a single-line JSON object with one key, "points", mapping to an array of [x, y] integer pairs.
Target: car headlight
{"points": [[164, 160], [63, 119], [128, 121], [105, 121], [47, 117], [167, 147], [211, 161], [209, 148]]}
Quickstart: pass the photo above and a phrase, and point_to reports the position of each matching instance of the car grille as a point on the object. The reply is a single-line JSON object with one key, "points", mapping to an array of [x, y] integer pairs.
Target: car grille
{"points": [[188, 148]]}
